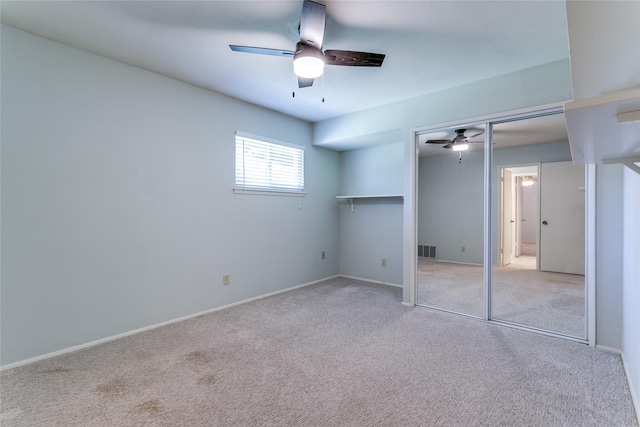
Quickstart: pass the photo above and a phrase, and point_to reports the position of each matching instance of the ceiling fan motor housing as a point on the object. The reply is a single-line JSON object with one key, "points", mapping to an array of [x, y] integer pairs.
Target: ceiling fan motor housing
{"points": [[308, 61]]}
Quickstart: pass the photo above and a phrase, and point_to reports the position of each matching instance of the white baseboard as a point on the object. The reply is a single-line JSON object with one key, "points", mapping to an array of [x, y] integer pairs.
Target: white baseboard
{"points": [[458, 262], [609, 349], [378, 282], [147, 328], [632, 389], [632, 386]]}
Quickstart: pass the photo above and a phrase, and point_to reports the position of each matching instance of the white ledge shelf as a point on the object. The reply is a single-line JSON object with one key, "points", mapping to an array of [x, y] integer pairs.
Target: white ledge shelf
{"points": [[605, 129], [352, 199]]}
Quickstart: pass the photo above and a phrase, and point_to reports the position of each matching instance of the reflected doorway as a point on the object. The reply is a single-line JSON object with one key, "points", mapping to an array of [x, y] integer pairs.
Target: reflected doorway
{"points": [[550, 297], [519, 212]]}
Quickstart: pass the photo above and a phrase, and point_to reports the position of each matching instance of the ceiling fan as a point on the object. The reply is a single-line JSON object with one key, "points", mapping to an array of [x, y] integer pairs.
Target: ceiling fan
{"points": [[308, 58], [460, 142]]}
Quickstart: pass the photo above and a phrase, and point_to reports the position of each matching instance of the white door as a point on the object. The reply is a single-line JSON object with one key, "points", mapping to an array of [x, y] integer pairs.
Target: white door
{"points": [[562, 218], [507, 216], [518, 217]]}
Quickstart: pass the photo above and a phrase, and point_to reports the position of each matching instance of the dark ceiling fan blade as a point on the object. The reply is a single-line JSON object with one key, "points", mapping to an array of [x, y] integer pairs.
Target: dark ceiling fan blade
{"points": [[302, 82], [354, 59], [261, 50], [438, 141], [312, 22], [448, 146], [473, 136]]}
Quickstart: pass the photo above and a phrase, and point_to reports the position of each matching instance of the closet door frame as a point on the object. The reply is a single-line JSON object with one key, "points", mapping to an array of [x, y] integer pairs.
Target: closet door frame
{"points": [[411, 214]]}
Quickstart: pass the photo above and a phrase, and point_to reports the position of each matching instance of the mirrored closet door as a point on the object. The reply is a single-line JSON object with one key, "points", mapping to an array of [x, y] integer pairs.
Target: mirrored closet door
{"points": [[538, 213], [537, 225], [450, 220]]}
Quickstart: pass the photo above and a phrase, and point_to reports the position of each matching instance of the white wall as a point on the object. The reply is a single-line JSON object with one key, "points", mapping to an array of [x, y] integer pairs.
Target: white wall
{"points": [[373, 230], [602, 33], [117, 203], [631, 280]]}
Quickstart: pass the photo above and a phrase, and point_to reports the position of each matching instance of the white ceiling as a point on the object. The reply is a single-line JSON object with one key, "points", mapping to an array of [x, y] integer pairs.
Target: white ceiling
{"points": [[430, 45]]}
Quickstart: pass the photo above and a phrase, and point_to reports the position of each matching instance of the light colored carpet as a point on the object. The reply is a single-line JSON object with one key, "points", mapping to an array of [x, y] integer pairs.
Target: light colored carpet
{"points": [[543, 300], [338, 353], [529, 248]]}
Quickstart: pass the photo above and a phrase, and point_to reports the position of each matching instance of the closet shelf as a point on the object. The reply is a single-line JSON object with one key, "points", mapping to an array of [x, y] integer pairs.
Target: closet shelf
{"points": [[352, 199]]}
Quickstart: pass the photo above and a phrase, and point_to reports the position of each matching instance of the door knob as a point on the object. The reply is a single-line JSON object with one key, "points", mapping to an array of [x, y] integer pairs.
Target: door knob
{"points": [[545, 223]]}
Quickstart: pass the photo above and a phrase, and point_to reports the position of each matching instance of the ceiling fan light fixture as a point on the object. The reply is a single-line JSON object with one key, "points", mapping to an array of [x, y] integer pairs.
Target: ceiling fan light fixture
{"points": [[460, 147], [308, 62]]}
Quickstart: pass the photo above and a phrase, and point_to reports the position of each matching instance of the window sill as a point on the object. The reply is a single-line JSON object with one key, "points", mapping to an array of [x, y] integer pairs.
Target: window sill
{"points": [[269, 192]]}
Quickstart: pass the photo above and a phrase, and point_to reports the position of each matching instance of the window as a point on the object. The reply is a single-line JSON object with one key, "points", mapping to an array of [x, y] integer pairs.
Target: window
{"points": [[264, 165]]}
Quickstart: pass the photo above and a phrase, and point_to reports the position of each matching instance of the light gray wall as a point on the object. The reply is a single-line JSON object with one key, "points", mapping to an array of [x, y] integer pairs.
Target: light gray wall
{"points": [[450, 206], [451, 194], [532, 87], [373, 230], [372, 171], [369, 234], [117, 203], [609, 234], [529, 213], [631, 278], [526, 88]]}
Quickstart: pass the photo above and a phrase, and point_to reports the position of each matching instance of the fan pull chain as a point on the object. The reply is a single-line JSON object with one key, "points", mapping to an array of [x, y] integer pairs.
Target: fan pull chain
{"points": [[293, 83], [323, 88]]}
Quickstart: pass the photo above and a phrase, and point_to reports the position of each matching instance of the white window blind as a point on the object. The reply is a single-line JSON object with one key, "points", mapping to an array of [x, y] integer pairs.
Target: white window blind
{"points": [[267, 165]]}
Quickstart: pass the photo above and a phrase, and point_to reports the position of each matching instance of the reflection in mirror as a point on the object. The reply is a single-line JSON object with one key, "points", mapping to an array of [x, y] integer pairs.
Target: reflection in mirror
{"points": [[450, 220], [538, 220]]}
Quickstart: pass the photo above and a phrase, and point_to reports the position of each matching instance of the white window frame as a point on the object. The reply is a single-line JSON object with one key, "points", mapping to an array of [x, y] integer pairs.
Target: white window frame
{"points": [[268, 184]]}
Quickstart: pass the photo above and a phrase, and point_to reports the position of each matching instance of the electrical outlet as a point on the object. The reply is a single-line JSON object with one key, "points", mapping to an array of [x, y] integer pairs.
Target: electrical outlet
{"points": [[383, 262], [226, 279], [463, 249], [323, 255]]}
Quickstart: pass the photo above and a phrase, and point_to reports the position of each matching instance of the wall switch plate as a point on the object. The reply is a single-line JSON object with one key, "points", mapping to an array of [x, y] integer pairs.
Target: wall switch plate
{"points": [[383, 262], [323, 255], [226, 279]]}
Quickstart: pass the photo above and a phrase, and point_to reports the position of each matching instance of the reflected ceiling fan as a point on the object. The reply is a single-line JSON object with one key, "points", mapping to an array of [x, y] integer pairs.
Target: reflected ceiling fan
{"points": [[459, 143], [308, 58]]}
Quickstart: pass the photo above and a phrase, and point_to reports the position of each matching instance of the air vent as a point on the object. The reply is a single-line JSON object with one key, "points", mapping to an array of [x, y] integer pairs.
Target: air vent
{"points": [[426, 251]]}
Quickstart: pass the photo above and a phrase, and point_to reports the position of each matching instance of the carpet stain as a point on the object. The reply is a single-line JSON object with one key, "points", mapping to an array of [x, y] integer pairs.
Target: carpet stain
{"points": [[112, 388], [149, 407], [197, 357], [207, 380]]}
